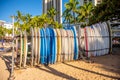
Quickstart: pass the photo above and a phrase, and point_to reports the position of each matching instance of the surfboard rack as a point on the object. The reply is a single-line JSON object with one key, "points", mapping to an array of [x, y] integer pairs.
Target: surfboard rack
{"points": [[86, 59], [80, 54], [12, 77], [113, 28]]}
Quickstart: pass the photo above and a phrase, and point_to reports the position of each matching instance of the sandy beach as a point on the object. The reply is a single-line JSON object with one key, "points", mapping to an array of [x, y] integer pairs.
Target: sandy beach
{"points": [[105, 67]]}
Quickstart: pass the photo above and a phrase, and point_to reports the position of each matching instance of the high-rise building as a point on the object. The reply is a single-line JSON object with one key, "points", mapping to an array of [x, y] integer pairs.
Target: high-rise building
{"points": [[57, 4], [95, 2]]}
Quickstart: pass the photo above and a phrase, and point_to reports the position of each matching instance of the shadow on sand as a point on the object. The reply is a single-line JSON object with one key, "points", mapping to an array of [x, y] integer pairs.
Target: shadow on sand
{"points": [[92, 71], [57, 73], [7, 60]]}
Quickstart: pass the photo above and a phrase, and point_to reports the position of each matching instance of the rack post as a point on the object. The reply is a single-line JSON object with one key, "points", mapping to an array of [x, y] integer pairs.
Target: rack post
{"points": [[12, 67]]}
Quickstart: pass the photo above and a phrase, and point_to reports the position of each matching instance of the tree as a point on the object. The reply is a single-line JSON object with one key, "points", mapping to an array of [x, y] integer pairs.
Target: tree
{"points": [[51, 13], [71, 9], [25, 21], [50, 21], [107, 10], [22, 21], [85, 12], [2, 33], [67, 15]]}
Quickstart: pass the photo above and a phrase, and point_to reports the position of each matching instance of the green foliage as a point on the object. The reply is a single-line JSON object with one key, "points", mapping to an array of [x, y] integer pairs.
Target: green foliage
{"points": [[84, 12], [22, 21], [50, 18], [25, 21], [89, 14], [3, 31], [75, 13], [51, 13], [70, 13], [107, 10]]}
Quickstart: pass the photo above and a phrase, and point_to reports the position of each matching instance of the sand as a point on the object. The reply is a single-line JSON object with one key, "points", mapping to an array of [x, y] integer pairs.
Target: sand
{"points": [[105, 67]]}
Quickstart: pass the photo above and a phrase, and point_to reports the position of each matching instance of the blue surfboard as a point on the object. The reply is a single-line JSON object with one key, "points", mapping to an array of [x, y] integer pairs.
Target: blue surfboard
{"points": [[75, 43], [53, 46], [45, 46], [42, 47], [55, 37], [48, 45], [43, 57]]}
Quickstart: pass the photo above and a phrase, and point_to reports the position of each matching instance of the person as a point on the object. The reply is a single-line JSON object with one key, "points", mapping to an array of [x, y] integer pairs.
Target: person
{"points": [[3, 42]]}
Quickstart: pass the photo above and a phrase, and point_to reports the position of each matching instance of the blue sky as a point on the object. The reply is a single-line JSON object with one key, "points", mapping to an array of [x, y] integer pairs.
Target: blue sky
{"points": [[9, 7]]}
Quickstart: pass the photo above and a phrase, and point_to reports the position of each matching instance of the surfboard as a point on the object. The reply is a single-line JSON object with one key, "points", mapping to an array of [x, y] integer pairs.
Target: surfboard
{"points": [[72, 45], [21, 48], [48, 45], [102, 39], [55, 45], [86, 42], [35, 46], [95, 40], [25, 49], [75, 43], [65, 45], [110, 36], [42, 48], [62, 45], [107, 37], [92, 42], [32, 45], [58, 45], [98, 39], [82, 39], [17, 47], [38, 45], [69, 44], [45, 46]]}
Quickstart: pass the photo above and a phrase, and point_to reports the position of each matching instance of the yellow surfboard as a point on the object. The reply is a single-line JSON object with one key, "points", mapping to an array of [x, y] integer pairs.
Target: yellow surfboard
{"points": [[58, 45]]}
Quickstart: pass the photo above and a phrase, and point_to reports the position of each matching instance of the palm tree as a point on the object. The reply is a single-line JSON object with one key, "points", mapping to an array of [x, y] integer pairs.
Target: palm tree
{"points": [[51, 13], [71, 6], [67, 16], [85, 12], [23, 21], [18, 19], [19, 16], [50, 21]]}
